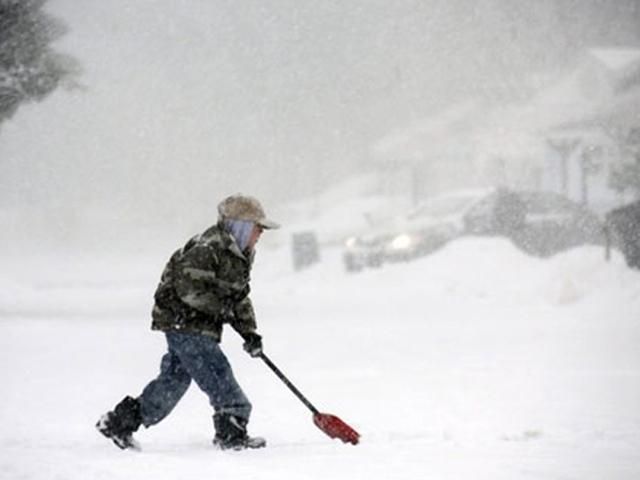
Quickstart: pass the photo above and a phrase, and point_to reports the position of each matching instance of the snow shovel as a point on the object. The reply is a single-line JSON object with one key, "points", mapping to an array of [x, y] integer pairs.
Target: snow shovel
{"points": [[329, 424]]}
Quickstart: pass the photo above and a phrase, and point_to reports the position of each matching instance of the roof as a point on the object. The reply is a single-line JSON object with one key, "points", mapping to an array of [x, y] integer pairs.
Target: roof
{"points": [[616, 58], [622, 112], [430, 133]]}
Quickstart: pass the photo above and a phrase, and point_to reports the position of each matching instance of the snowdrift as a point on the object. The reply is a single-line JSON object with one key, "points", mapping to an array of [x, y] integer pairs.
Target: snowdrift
{"points": [[475, 362]]}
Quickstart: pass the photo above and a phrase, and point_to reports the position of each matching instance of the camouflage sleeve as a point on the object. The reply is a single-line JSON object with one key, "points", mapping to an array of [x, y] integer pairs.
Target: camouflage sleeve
{"points": [[244, 320]]}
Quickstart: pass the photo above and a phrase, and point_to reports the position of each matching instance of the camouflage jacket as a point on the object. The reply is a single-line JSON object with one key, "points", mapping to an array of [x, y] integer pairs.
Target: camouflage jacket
{"points": [[204, 285]]}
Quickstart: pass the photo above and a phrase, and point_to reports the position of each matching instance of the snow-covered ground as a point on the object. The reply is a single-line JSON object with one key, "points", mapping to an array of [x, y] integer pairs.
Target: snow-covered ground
{"points": [[477, 362]]}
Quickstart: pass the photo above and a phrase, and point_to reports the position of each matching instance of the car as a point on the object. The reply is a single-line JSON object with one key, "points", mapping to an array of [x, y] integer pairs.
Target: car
{"points": [[539, 223], [623, 228], [365, 251], [423, 230], [432, 224]]}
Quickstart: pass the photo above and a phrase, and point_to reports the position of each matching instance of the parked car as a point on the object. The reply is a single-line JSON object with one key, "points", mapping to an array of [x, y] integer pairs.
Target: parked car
{"points": [[540, 223], [420, 232], [431, 225], [368, 250], [623, 225]]}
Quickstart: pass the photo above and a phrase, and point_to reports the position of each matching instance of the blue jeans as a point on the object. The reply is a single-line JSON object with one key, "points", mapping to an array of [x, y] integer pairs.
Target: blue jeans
{"points": [[197, 357]]}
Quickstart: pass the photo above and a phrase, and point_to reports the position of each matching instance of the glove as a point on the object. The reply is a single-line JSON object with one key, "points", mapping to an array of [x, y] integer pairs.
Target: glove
{"points": [[252, 344]]}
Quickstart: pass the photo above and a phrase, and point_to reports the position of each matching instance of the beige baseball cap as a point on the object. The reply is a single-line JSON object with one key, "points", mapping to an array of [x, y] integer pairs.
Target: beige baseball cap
{"points": [[243, 207]]}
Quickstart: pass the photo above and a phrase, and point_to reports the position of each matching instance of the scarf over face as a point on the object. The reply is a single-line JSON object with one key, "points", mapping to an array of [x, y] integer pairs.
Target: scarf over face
{"points": [[240, 230]]}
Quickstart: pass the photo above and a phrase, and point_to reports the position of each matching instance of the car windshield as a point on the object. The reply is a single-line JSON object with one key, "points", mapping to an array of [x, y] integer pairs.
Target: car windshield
{"points": [[444, 206], [546, 203]]}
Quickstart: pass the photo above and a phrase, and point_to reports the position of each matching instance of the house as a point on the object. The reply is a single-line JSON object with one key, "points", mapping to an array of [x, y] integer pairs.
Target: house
{"points": [[559, 138], [597, 140]]}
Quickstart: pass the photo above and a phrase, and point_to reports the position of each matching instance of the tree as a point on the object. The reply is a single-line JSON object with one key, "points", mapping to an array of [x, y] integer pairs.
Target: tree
{"points": [[29, 68]]}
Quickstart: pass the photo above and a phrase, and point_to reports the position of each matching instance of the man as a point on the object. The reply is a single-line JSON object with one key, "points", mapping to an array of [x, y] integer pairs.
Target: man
{"points": [[204, 285]]}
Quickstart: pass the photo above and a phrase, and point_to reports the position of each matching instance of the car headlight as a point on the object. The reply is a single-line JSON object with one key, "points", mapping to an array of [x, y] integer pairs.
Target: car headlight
{"points": [[401, 242], [350, 242]]}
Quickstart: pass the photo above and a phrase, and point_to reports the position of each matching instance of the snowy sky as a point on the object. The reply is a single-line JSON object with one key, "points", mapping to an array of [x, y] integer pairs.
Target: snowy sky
{"points": [[187, 101]]}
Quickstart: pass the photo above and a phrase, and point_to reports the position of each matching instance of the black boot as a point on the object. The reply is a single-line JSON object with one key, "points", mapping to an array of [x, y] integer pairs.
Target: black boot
{"points": [[231, 433], [120, 424]]}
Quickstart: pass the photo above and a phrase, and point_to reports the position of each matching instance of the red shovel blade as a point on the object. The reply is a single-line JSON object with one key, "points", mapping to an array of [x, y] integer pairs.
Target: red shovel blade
{"points": [[336, 428]]}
